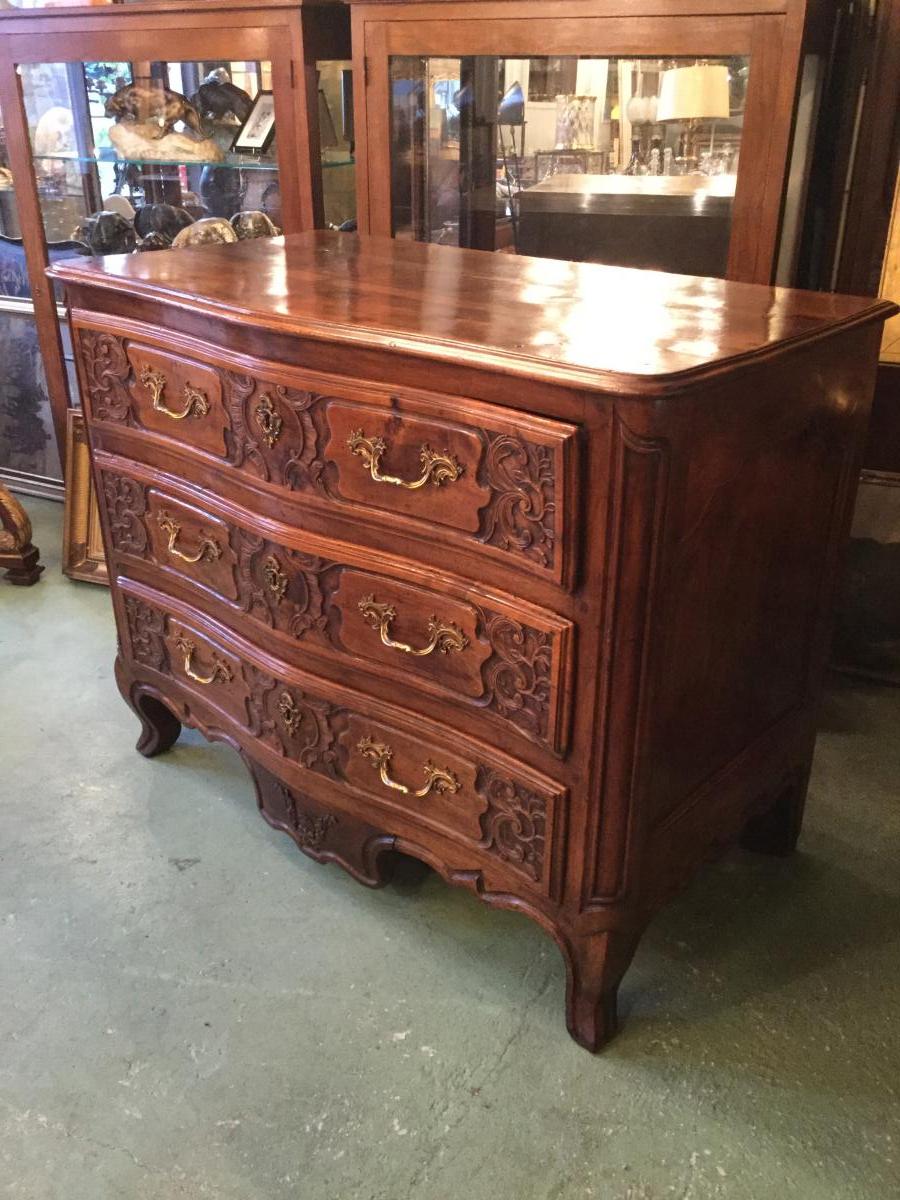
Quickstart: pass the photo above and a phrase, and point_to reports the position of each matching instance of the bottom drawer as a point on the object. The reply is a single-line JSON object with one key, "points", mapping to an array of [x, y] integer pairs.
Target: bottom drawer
{"points": [[427, 775]]}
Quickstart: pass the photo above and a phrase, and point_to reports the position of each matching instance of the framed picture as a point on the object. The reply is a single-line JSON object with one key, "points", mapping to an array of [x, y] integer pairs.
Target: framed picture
{"points": [[256, 133], [83, 556]]}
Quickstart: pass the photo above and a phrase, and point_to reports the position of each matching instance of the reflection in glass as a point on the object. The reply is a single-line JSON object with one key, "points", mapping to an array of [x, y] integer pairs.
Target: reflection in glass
{"points": [[624, 161], [336, 143], [27, 443]]}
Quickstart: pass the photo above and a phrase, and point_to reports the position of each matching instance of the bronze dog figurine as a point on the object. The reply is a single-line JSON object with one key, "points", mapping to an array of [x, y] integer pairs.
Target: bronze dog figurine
{"points": [[157, 106]]}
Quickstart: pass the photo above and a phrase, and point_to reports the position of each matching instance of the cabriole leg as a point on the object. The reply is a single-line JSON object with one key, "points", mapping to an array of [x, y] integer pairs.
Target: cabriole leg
{"points": [[596, 965], [159, 725]]}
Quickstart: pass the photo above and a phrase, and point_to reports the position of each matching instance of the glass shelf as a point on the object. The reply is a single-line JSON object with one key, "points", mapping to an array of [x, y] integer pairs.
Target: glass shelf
{"points": [[230, 162]]}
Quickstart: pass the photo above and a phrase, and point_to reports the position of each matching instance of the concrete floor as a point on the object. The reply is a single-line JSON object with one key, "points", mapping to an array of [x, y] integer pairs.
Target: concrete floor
{"points": [[191, 1009]]}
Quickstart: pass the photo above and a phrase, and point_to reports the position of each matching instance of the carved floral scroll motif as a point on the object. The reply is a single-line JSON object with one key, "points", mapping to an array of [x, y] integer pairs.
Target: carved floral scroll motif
{"points": [[514, 824], [107, 374], [517, 675], [520, 516], [147, 632]]}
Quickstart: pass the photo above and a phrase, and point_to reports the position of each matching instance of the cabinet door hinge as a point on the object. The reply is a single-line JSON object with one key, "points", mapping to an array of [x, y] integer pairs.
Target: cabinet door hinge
{"points": [[366, 71]]}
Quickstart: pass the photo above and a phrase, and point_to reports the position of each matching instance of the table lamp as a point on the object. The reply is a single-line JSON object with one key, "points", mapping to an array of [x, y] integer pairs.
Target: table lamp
{"points": [[693, 94]]}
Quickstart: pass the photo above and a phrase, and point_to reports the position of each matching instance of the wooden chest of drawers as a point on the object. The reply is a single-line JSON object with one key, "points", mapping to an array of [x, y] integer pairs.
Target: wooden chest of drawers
{"points": [[521, 567]]}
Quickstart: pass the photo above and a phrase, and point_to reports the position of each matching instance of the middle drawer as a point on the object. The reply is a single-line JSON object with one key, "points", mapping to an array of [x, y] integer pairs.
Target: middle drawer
{"points": [[504, 657]]}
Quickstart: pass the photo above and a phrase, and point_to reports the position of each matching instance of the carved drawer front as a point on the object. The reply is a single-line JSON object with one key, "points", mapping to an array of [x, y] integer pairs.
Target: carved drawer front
{"points": [[459, 794], [145, 387], [510, 660], [512, 665], [190, 657], [427, 469], [498, 810], [418, 632], [456, 472], [191, 542], [500, 489]]}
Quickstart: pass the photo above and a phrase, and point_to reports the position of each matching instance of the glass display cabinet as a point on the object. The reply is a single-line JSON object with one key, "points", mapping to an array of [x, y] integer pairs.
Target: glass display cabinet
{"points": [[28, 452], [625, 133], [134, 127]]}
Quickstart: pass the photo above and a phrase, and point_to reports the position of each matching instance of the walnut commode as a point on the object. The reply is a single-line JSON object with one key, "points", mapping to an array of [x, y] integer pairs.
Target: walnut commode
{"points": [[523, 568]]}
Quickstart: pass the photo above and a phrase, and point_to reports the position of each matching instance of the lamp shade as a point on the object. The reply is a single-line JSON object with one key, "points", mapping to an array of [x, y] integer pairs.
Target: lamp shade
{"points": [[693, 93], [512, 106]]}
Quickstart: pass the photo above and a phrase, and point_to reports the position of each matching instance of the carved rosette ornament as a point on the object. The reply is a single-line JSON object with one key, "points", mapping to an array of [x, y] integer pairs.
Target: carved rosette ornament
{"points": [[301, 727], [513, 825], [272, 428], [520, 515]]}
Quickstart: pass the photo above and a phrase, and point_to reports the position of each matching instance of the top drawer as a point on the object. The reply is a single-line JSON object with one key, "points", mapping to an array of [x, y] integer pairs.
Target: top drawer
{"points": [[440, 467]]}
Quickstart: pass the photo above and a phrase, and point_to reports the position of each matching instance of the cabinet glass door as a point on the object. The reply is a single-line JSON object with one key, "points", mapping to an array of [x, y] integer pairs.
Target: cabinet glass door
{"points": [[629, 161], [28, 454], [121, 137]]}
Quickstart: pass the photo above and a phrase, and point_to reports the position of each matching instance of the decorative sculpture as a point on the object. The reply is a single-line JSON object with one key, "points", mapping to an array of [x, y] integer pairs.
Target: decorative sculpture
{"points": [[18, 557], [106, 233], [209, 230], [155, 107], [146, 116], [253, 224]]}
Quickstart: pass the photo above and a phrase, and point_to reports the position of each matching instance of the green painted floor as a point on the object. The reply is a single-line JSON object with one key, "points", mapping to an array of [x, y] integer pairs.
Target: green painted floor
{"points": [[191, 1009]]}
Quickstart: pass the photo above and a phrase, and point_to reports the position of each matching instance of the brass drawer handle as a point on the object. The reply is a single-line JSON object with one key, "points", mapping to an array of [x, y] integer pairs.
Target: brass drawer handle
{"points": [[442, 635], [195, 401], [220, 672], [437, 779], [208, 550], [436, 468]]}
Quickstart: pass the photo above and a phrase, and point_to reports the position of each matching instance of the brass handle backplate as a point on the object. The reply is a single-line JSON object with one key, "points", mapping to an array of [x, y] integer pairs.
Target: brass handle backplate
{"points": [[195, 402], [436, 468], [442, 635], [220, 672], [437, 779], [208, 549]]}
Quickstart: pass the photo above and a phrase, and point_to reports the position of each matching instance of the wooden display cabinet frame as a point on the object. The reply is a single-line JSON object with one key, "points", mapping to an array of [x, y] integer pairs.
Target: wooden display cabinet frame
{"points": [[770, 32], [289, 34]]}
